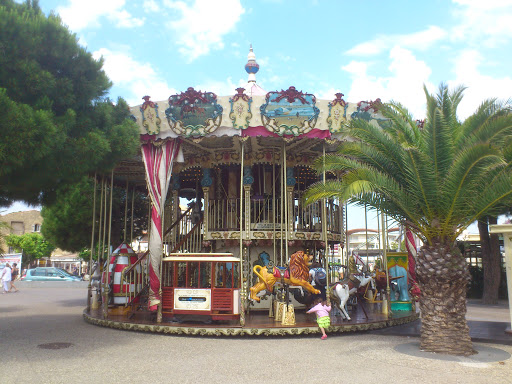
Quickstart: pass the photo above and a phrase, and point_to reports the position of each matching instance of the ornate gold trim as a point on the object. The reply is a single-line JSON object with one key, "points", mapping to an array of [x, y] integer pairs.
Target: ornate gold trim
{"points": [[240, 331]]}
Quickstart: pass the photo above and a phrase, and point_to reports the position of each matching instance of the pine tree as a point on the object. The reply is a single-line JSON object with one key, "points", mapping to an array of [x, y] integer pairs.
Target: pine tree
{"points": [[56, 124]]}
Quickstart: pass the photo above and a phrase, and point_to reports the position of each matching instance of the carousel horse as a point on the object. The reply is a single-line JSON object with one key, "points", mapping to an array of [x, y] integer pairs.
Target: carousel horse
{"points": [[399, 285], [296, 274], [341, 291]]}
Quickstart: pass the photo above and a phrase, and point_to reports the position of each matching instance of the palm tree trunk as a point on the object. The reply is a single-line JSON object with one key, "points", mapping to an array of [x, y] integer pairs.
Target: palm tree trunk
{"points": [[491, 260], [443, 278]]}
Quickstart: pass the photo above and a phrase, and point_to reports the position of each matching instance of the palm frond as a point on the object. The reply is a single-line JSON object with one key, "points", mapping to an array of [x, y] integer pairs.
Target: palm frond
{"points": [[439, 178]]}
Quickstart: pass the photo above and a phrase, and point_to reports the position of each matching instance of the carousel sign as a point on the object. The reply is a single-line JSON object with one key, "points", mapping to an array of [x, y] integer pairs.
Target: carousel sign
{"points": [[150, 119], [240, 112], [290, 112], [194, 113], [337, 113]]}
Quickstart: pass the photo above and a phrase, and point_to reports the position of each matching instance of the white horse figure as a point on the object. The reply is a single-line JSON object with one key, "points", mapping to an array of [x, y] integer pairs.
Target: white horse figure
{"points": [[341, 291]]}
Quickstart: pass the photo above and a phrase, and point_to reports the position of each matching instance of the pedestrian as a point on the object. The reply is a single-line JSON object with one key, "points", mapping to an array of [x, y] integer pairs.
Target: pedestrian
{"points": [[321, 309], [6, 278], [14, 276]]}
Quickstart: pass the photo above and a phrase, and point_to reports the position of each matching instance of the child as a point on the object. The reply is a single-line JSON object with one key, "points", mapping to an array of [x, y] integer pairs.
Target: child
{"points": [[322, 315]]}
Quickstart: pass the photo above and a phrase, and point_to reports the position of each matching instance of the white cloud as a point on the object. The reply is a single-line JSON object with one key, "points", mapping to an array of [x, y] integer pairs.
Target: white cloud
{"points": [[405, 84], [483, 22], [479, 86], [203, 24], [150, 6], [139, 79], [79, 14], [221, 88], [327, 94], [478, 23], [418, 40], [285, 58], [82, 41]]}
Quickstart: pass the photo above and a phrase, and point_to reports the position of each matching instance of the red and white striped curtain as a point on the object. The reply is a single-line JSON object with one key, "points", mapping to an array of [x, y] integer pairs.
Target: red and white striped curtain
{"points": [[158, 161]]}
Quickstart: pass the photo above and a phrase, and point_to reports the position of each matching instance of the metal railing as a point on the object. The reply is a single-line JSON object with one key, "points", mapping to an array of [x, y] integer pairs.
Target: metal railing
{"points": [[224, 214], [265, 214], [309, 218], [192, 242], [136, 277]]}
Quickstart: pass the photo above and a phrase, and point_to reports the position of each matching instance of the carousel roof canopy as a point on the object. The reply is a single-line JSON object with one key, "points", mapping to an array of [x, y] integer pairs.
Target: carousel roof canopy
{"points": [[211, 127], [249, 112]]}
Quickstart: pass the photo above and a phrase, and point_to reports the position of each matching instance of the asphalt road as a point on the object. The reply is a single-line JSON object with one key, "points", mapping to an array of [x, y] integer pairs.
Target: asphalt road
{"points": [[51, 315]]}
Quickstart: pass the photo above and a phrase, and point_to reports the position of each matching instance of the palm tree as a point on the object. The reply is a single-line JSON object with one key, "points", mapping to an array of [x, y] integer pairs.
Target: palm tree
{"points": [[437, 177]]}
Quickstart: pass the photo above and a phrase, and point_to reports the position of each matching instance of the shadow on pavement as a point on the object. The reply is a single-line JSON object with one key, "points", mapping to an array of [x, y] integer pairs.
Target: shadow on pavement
{"points": [[485, 354]]}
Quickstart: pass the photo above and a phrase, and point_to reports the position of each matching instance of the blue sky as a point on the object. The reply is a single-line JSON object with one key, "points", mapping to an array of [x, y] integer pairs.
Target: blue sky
{"points": [[364, 49]]}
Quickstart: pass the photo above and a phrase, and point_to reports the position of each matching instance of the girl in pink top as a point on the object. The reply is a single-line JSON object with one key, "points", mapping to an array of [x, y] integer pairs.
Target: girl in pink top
{"points": [[322, 315]]}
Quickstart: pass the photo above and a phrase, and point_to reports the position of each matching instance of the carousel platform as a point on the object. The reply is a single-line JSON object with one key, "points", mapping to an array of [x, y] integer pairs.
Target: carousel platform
{"points": [[257, 323]]}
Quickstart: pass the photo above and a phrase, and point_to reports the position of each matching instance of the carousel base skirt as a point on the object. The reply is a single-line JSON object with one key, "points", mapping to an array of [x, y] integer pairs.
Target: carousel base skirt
{"points": [[257, 323]]}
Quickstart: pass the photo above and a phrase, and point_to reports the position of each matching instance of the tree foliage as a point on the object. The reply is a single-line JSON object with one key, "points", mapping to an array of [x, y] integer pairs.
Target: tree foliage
{"points": [[56, 124], [68, 222], [438, 178], [33, 245], [4, 232]]}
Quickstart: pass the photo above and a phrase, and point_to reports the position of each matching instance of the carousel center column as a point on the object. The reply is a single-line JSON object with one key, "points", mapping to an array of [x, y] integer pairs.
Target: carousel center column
{"points": [[247, 182]]}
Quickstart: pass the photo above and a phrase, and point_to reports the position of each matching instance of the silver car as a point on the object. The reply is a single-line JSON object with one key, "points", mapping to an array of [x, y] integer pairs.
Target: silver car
{"points": [[49, 274]]}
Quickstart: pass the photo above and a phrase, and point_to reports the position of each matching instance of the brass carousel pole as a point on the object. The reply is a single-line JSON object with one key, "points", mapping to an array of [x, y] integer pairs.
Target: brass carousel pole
{"points": [[106, 292], [125, 212], [378, 229], [99, 246], [92, 245], [347, 240], [385, 304], [103, 240], [243, 295], [324, 229], [274, 204], [282, 207], [366, 231], [133, 204], [162, 230], [110, 213], [286, 218]]}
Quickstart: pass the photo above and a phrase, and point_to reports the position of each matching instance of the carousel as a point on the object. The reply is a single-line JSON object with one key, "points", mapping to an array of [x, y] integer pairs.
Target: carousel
{"points": [[230, 241]]}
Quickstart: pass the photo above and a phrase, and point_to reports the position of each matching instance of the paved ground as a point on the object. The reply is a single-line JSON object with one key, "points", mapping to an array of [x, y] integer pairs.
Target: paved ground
{"points": [[47, 314]]}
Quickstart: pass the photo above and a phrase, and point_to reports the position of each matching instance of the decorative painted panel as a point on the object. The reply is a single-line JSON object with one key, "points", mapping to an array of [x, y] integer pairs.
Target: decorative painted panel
{"points": [[194, 113], [290, 112], [337, 113], [369, 110], [240, 109], [150, 119]]}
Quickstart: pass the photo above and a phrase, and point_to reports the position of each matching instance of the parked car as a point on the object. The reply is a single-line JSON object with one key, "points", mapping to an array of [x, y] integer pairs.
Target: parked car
{"points": [[49, 274]]}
